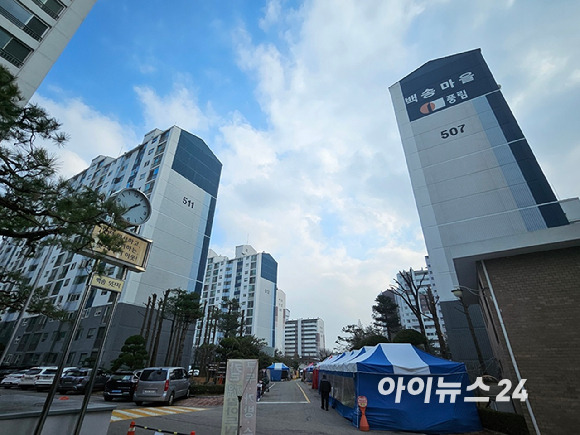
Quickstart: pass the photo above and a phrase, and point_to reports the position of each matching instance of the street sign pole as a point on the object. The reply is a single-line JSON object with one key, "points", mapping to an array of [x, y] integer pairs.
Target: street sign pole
{"points": [[91, 383], [66, 350]]}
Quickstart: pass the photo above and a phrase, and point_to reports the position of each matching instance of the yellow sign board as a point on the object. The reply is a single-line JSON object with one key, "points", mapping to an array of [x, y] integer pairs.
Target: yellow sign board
{"points": [[133, 255], [107, 283]]}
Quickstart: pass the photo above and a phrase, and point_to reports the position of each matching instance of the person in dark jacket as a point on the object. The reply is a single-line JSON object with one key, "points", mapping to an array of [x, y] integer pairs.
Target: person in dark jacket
{"points": [[325, 389]]}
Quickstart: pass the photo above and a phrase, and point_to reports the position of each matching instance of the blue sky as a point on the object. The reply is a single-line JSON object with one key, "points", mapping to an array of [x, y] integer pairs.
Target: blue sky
{"points": [[292, 96]]}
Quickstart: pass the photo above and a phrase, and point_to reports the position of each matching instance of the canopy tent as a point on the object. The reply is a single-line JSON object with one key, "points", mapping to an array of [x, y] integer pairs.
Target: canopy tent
{"points": [[307, 372], [278, 371], [406, 406]]}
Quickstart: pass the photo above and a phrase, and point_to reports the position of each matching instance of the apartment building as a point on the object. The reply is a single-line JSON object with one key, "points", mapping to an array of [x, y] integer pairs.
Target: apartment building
{"points": [[180, 176], [304, 338], [34, 33], [250, 278]]}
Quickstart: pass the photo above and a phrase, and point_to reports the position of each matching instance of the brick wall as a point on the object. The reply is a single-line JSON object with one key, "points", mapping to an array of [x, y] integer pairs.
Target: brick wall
{"points": [[539, 298]]}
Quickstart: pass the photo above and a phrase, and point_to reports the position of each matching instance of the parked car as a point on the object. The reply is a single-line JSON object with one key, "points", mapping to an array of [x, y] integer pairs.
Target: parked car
{"points": [[77, 379], [13, 379], [161, 384], [6, 371], [45, 379], [121, 385], [28, 380]]}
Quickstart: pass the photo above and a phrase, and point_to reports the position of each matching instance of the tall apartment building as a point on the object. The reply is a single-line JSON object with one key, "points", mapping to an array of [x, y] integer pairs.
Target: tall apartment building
{"points": [[494, 230], [180, 175], [304, 338], [421, 281], [251, 278], [33, 34], [281, 315]]}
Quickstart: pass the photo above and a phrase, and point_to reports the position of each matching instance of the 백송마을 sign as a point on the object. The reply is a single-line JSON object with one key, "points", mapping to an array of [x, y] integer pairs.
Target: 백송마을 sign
{"points": [[133, 255], [107, 283], [446, 82], [240, 397]]}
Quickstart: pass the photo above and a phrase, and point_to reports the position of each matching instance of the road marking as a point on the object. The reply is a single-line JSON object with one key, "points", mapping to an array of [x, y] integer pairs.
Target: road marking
{"points": [[305, 396], [278, 403], [129, 414]]}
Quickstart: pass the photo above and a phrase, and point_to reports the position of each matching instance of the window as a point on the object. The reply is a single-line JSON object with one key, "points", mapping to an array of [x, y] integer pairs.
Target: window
{"points": [[71, 357], [149, 187], [152, 174], [91, 332], [79, 333], [13, 50]]}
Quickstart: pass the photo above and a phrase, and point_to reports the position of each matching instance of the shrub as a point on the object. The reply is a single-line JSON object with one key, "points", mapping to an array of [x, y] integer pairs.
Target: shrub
{"points": [[200, 389], [504, 422]]}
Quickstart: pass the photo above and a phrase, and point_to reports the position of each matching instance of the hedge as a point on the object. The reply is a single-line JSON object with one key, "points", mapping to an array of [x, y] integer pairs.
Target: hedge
{"points": [[199, 389], [504, 422]]}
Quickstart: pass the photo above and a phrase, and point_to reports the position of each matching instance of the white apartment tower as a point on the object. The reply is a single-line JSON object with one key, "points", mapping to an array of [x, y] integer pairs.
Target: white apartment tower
{"points": [[180, 175], [304, 338], [281, 315], [250, 278], [33, 34]]}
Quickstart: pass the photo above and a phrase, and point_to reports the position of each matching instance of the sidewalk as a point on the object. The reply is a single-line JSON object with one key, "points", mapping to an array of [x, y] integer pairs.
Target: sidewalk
{"points": [[203, 401]]}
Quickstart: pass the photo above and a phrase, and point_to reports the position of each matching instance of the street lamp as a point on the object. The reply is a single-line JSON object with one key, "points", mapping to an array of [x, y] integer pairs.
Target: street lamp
{"points": [[458, 293]]}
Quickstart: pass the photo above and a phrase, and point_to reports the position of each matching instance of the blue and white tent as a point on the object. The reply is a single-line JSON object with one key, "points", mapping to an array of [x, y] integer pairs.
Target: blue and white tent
{"points": [[277, 371], [419, 388]]}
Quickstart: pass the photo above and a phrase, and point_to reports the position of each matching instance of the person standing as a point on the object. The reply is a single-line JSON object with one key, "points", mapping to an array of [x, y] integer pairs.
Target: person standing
{"points": [[325, 388]]}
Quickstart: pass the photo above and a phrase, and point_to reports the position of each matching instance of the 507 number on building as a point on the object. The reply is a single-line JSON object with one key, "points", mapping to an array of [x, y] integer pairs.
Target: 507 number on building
{"points": [[453, 131]]}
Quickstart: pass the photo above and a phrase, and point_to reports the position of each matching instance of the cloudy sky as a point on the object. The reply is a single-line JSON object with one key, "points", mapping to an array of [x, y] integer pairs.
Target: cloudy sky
{"points": [[292, 97]]}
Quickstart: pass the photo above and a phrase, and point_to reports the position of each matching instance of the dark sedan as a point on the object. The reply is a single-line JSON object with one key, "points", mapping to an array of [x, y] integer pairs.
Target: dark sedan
{"points": [[77, 380], [121, 385]]}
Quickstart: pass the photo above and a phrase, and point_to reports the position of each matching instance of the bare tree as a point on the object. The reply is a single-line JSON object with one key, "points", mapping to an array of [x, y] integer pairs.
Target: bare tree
{"points": [[410, 292], [432, 302], [422, 303]]}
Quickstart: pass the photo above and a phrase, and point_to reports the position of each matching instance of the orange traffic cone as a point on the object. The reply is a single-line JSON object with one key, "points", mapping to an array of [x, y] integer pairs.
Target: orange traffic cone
{"points": [[131, 430], [364, 425]]}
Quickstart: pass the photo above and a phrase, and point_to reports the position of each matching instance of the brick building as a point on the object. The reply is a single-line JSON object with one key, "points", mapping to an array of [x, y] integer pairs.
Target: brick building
{"points": [[536, 338]]}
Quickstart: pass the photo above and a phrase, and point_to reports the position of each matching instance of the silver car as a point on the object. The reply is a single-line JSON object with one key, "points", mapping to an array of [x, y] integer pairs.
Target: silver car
{"points": [[161, 384]]}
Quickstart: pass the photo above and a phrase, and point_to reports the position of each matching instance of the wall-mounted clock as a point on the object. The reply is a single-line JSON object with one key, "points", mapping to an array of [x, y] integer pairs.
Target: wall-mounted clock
{"points": [[136, 205]]}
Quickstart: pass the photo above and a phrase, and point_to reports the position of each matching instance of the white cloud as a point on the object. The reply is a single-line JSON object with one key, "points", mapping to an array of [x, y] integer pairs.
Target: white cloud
{"points": [[90, 134], [323, 184], [179, 108]]}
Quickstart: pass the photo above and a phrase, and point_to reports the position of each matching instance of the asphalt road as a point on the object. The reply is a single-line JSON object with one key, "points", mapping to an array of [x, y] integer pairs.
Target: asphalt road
{"points": [[288, 408]]}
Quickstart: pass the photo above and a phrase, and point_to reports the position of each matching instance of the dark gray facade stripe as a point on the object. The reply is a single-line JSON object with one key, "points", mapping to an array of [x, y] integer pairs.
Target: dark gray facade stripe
{"points": [[269, 269], [542, 192], [515, 180], [195, 161], [204, 250]]}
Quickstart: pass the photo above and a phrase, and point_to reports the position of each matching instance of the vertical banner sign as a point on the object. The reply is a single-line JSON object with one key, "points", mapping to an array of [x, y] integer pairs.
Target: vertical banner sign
{"points": [[241, 382]]}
